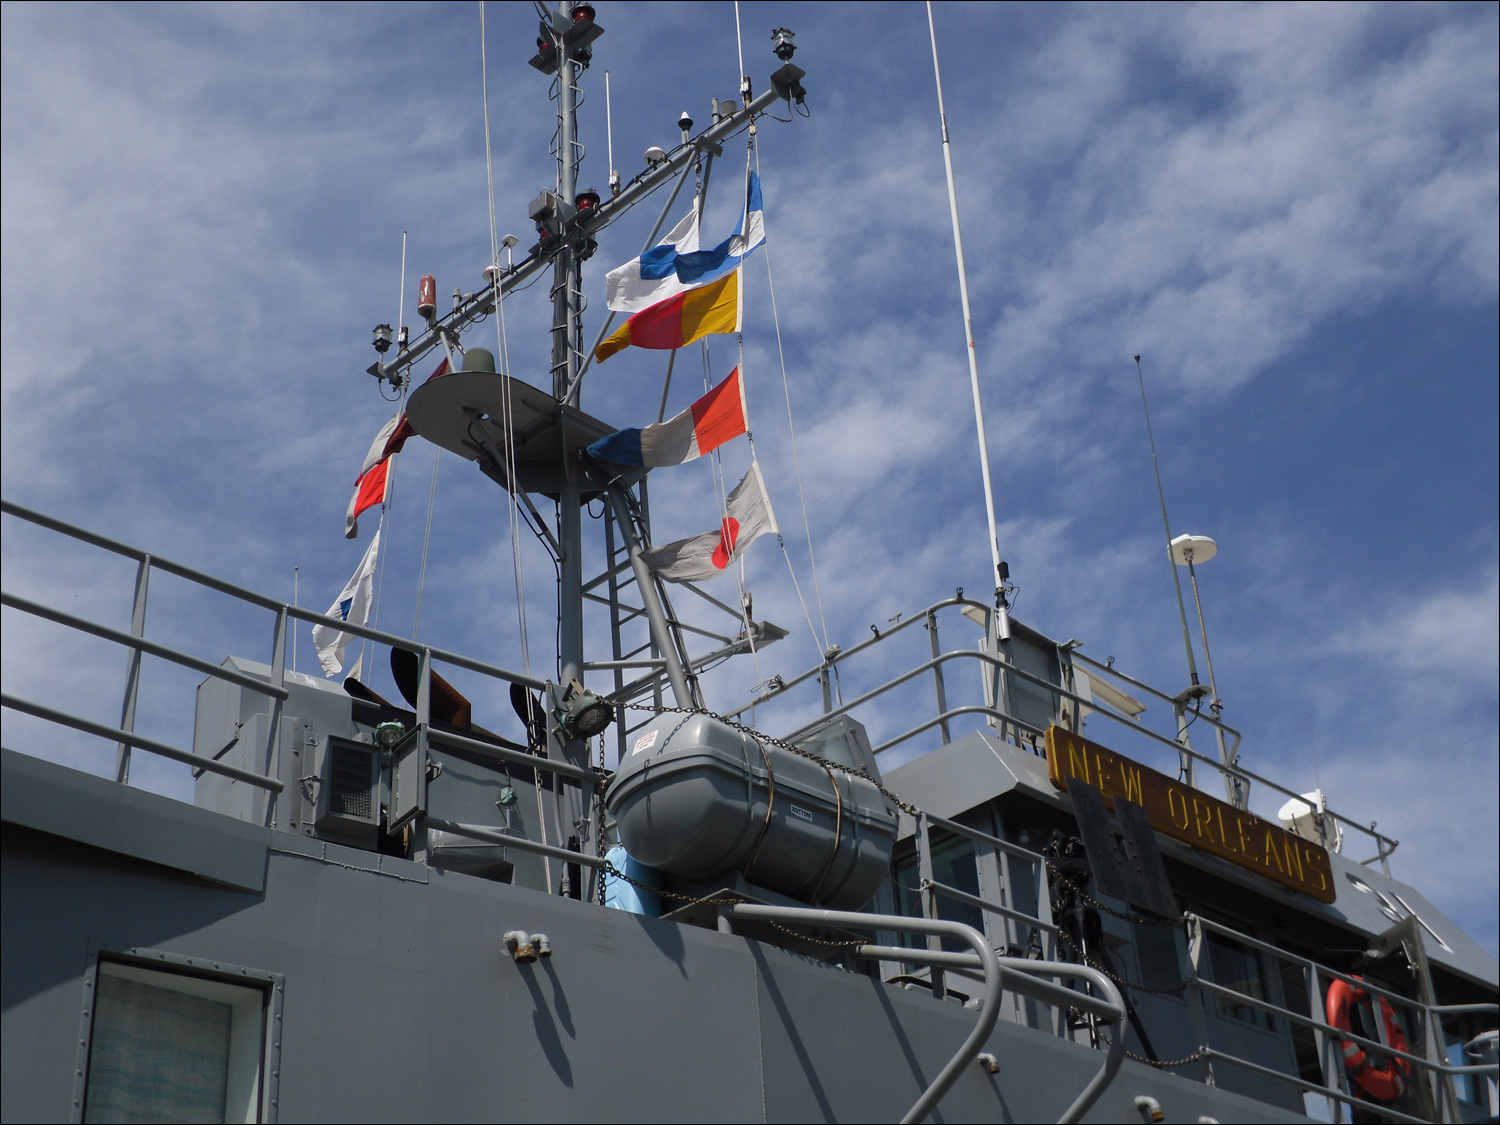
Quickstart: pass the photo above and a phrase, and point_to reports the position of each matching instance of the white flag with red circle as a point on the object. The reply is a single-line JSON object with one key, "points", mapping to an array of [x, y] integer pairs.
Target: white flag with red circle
{"points": [[747, 517]]}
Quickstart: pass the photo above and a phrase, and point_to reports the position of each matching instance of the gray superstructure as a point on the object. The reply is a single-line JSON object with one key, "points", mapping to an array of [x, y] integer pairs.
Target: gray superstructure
{"points": [[384, 910]]}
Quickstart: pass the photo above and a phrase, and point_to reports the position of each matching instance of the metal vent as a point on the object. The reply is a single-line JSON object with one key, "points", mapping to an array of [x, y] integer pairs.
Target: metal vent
{"points": [[349, 782]]}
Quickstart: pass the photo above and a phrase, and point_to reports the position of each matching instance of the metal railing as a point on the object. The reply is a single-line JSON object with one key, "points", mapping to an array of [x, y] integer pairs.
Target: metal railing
{"points": [[1424, 1018], [1013, 728], [275, 687]]}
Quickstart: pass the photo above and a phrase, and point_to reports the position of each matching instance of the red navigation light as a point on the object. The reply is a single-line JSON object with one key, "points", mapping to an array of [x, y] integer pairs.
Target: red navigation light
{"points": [[427, 297], [582, 12], [587, 200]]}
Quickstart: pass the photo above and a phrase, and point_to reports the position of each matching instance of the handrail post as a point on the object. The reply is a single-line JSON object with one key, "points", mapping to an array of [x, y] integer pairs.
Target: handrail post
{"points": [[1196, 941], [133, 669], [1330, 1064], [937, 675], [925, 879], [278, 681]]}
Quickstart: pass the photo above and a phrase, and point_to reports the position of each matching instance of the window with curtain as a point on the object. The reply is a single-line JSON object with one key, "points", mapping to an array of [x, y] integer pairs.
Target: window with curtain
{"points": [[172, 1047]]}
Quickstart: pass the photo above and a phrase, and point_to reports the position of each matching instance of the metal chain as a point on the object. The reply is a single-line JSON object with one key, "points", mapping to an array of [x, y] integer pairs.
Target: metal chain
{"points": [[1121, 981], [1165, 1064], [905, 806], [1057, 874], [599, 812]]}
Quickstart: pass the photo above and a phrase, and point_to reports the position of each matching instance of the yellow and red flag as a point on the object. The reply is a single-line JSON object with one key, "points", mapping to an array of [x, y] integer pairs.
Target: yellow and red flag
{"points": [[680, 320]]}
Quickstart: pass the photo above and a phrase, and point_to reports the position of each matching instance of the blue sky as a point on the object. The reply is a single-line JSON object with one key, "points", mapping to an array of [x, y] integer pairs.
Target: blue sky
{"points": [[1289, 212]]}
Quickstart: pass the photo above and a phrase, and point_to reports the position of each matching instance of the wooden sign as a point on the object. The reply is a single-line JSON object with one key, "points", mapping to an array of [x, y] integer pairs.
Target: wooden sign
{"points": [[1178, 810]]}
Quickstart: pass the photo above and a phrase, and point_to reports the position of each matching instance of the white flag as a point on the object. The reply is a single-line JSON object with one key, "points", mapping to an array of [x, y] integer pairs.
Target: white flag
{"points": [[652, 278], [353, 605], [749, 516]]}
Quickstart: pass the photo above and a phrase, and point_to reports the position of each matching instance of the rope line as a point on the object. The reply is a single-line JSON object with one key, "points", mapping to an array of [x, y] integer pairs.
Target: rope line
{"points": [[426, 542], [792, 428]]}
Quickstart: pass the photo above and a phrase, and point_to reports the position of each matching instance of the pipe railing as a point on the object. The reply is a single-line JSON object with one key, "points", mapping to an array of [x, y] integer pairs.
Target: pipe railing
{"points": [[274, 687], [1023, 977], [488, 835], [1230, 770], [140, 742], [1429, 1015], [989, 1006]]}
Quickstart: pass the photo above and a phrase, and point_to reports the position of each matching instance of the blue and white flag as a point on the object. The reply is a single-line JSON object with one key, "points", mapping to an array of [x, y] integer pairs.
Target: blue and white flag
{"points": [[352, 604], [675, 264]]}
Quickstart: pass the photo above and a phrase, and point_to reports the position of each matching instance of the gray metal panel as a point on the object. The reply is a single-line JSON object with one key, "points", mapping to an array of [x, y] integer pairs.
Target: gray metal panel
{"points": [[93, 810], [400, 1004], [965, 774]]}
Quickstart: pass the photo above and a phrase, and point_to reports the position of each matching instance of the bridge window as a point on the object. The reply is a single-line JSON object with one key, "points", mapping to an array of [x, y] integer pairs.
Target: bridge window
{"points": [[954, 866], [1236, 965]]}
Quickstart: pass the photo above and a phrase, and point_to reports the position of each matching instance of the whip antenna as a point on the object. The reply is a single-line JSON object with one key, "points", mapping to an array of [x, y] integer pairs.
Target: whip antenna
{"points": [[999, 570], [1187, 638]]}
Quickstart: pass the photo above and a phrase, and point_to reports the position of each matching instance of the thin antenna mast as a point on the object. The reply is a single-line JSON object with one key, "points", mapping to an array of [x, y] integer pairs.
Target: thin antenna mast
{"points": [[1187, 637], [997, 566], [401, 305], [609, 136]]}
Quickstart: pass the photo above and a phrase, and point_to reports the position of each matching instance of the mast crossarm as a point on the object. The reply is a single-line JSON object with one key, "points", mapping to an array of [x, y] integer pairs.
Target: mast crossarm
{"points": [[476, 306]]}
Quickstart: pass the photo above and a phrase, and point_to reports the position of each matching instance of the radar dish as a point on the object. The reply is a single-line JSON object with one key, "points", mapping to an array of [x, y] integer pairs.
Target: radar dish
{"points": [[1193, 549]]}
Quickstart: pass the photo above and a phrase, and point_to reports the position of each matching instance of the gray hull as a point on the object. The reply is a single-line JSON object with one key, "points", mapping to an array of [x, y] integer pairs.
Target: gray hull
{"points": [[397, 999]]}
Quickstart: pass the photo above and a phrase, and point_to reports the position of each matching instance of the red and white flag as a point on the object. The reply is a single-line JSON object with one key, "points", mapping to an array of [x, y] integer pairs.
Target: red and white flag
{"points": [[373, 484], [748, 516]]}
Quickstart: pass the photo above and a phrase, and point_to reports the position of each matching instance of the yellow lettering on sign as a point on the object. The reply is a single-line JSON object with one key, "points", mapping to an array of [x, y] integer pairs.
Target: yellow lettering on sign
{"points": [[1102, 772], [1179, 811], [1078, 756], [1293, 857], [1174, 798], [1272, 854], [1203, 814]]}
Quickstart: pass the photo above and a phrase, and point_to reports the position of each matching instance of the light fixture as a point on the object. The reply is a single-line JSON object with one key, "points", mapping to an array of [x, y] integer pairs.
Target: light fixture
{"points": [[584, 714], [783, 43], [382, 338], [388, 734]]}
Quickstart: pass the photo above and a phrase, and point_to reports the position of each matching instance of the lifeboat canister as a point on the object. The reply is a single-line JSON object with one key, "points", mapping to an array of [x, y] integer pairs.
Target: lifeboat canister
{"points": [[698, 799]]}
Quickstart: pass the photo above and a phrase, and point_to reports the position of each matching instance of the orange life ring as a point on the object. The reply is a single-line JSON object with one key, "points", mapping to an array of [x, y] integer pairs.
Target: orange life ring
{"points": [[1385, 1082]]}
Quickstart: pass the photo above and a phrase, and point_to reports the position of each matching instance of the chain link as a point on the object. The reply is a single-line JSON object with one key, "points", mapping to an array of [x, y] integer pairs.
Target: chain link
{"points": [[1165, 1064], [1121, 981], [905, 806], [1056, 874], [599, 814]]}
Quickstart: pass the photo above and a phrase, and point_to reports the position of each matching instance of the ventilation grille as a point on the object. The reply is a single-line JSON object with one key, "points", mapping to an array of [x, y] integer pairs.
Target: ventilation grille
{"points": [[350, 782]]}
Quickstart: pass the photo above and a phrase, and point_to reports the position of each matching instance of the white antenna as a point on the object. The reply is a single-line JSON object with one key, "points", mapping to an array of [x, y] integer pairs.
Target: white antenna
{"points": [[401, 304], [739, 44], [609, 134], [296, 574], [1187, 638], [997, 567]]}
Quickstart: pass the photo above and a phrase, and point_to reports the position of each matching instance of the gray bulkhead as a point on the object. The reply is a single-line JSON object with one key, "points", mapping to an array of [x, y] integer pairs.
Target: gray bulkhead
{"points": [[399, 1001]]}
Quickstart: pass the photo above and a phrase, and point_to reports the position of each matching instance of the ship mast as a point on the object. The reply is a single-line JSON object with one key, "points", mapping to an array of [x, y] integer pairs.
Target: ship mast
{"points": [[566, 220], [567, 332]]}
